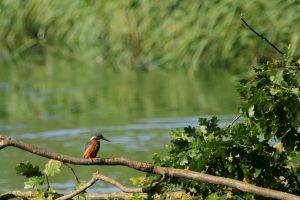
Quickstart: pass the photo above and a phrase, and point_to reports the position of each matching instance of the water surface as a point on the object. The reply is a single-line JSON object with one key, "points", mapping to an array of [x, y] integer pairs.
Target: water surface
{"points": [[58, 108]]}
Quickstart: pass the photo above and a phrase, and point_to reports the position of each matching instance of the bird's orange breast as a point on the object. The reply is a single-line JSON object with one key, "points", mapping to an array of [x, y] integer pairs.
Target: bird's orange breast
{"points": [[92, 150]]}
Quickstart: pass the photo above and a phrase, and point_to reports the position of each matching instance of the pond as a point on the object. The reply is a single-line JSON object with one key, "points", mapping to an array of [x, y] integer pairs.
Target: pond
{"points": [[58, 108]]}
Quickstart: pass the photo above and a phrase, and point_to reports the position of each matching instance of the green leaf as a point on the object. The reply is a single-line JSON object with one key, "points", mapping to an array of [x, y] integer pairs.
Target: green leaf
{"points": [[39, 195], [34, 182], [192, 190], [52, 167], [140, 181], [274, 91], [296, 159], [28, 170], [248, 197], [193, 153], [156, 158], [251, 111], [278, 78], [213, 196], [184, 161], [203, 129], [256, 173], [137, 196], [295, 91]]}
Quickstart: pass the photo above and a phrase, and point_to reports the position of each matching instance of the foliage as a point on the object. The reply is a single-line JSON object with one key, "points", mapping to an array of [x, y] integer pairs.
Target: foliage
{"points": [[262, 150], [34, 182], [36, 178], [28, 170], [136, 196], [52, 167], [144, 35], [140, 181]]}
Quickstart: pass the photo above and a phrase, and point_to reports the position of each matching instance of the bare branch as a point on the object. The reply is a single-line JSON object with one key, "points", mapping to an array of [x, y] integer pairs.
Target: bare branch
{"points": [[79, 190], [96, 177], [112, 196], [17, 193], [99, 196], [118, 184], [146, 167], [262, 37]]}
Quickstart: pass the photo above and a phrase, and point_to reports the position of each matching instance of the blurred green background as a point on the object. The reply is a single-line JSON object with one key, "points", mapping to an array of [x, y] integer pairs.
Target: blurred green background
{"points": [[133, 69]]}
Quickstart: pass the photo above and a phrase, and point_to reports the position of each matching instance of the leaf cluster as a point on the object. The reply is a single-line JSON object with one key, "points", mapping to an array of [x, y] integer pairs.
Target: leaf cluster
{"points": [[263, 150], [36, 178]]}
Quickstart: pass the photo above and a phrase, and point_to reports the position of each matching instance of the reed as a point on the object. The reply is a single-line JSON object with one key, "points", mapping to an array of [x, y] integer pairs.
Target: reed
{"points": [[145, 35]]}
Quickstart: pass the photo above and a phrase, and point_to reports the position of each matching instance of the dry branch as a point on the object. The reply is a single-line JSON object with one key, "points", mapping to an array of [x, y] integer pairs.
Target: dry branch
{"points": [[23, 194], [97, 196], [101, 177], [96, 177], [79, 190], [146, 167], [17, 193]]}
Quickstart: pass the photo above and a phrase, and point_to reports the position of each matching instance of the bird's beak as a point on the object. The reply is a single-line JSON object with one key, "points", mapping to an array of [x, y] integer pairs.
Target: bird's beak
{"points": [[105, 139]]}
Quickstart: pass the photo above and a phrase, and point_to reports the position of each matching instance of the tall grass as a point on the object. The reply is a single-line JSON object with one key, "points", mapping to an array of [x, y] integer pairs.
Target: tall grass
{"points": [[133, 34]]}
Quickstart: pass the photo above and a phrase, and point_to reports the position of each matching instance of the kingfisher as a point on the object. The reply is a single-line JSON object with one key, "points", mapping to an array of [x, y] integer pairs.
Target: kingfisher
{"points": [[93, 146]]}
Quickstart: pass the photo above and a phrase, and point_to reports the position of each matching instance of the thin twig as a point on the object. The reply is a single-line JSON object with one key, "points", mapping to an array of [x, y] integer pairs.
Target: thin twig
{"points": [[235, 119], [147, 167], [262, 37], [157, 181], [71, 168], [48, 184]]}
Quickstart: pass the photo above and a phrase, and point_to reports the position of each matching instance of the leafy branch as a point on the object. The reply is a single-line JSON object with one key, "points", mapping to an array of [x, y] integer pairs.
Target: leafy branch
{"points": [[146, 167], [263, 149]]}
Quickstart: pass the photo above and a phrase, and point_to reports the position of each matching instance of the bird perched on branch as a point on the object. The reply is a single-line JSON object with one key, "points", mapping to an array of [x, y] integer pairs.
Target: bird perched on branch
{"points": [[93, 146]]}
